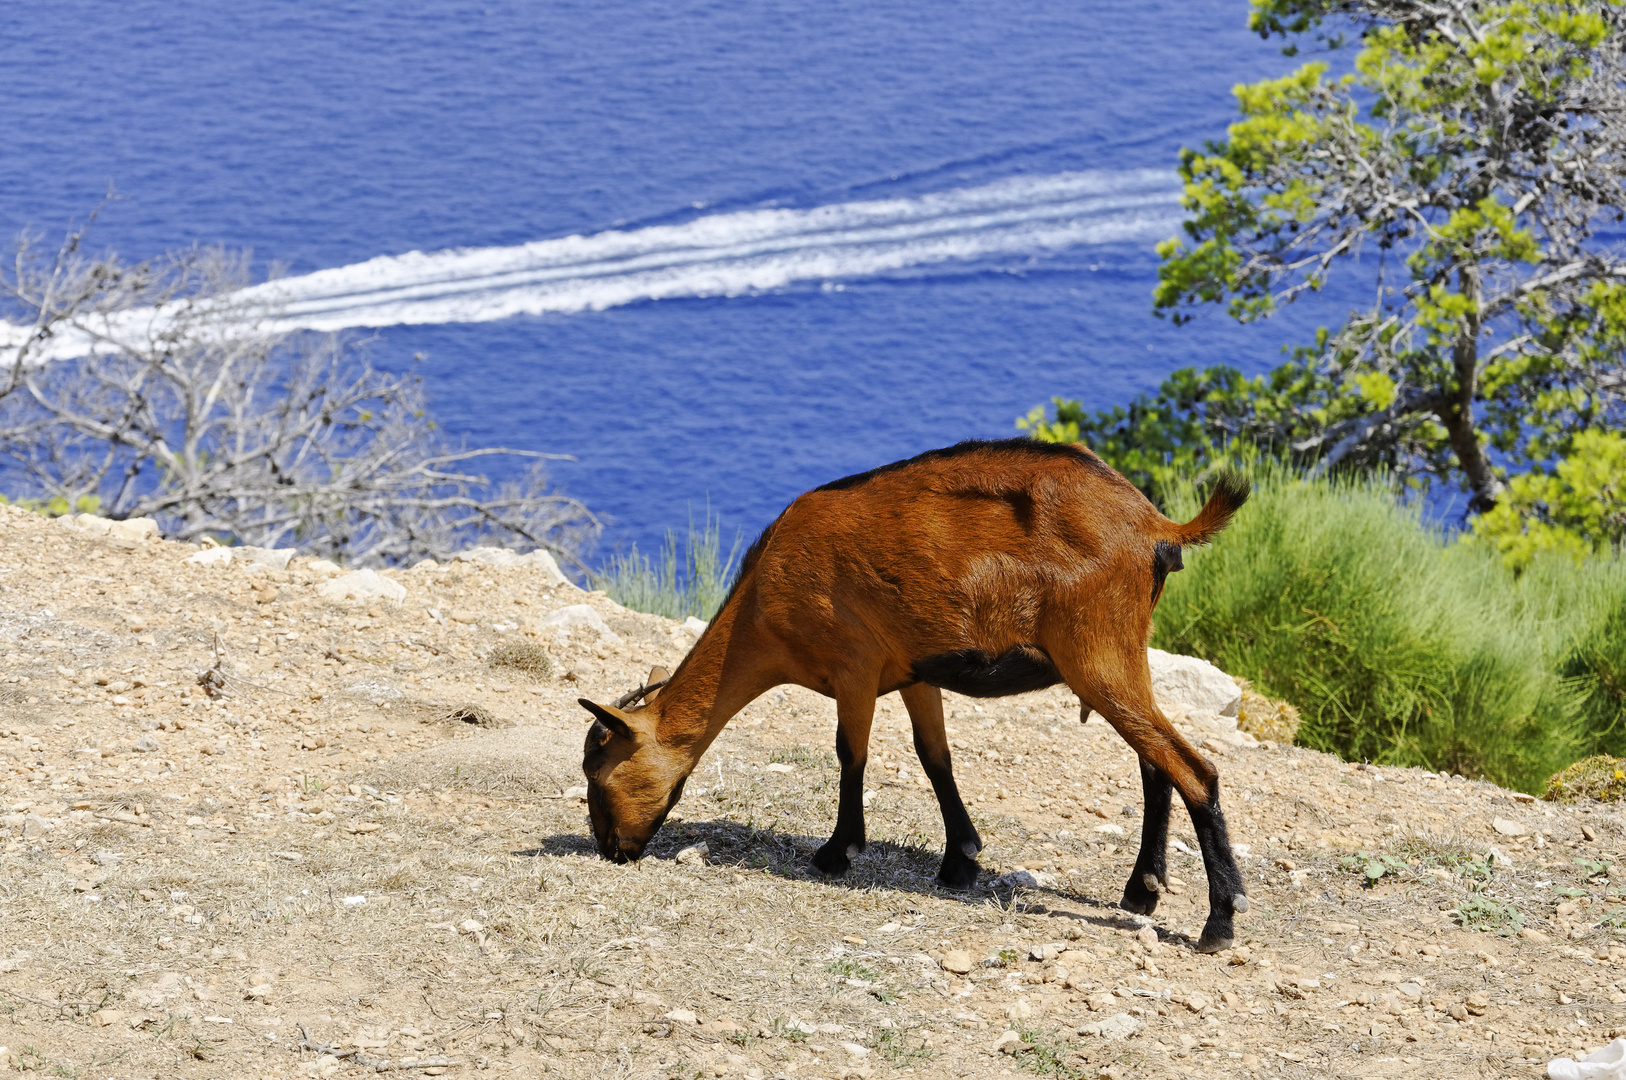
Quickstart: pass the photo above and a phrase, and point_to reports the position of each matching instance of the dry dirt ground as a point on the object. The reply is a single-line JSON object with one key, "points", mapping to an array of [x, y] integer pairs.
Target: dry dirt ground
{"points": [[317, 867]]}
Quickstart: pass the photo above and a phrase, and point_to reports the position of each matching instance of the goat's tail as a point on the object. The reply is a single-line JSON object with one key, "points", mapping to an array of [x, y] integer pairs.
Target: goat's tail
{"points": [[1230, 492]]}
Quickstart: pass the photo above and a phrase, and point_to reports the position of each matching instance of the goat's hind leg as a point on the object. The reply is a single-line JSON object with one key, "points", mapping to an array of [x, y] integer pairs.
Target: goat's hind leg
{"points": [[1119, 685], [1151, 871], [925, 705], [854, 715]]}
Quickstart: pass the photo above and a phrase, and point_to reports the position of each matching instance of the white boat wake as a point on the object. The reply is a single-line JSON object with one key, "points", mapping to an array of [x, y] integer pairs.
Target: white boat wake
{"points": [[728, 254]]}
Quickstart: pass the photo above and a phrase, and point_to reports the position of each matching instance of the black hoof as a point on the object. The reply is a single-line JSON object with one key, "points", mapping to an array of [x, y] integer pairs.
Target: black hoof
{"points": [[831, 860], [958, 875], [1138, 898], [1217, 935]]}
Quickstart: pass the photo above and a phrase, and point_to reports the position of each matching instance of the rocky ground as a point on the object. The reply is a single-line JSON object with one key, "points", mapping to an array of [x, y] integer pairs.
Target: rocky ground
{"points": [[262, 819]]}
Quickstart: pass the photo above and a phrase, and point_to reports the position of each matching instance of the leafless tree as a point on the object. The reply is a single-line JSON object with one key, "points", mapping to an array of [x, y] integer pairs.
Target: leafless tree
{"points": [[151, 390]]}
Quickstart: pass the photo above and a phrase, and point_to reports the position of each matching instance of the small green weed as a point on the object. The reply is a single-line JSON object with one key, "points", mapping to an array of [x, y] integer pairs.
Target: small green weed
{"points": [[1592, 868], [783, 1030], [901, 1046], [1615, 920], [1050, 1054], [852, 969], [1481, 913], [1374, 867], [1009, 957]]}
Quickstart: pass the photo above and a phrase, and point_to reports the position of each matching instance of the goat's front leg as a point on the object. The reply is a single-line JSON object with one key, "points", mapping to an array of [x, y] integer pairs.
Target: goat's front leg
{"points": [[854, 714], [1151, 871], [925, 705]]}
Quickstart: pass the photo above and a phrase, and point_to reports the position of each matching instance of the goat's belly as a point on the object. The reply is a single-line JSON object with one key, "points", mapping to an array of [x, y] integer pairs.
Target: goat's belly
{"points": [[976, 673]]}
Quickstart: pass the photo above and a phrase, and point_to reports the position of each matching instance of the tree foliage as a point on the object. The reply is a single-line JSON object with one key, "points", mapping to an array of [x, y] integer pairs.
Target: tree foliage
{"points": [[1196, 418], [1471, 155], [149, 390], [1578, 508]]}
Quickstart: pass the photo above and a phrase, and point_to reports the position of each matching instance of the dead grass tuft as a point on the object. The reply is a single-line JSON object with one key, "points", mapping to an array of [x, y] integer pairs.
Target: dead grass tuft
{"points": [[1266, 718], [1432, 849], [470, 714], [525, 657], [1602, 777]]}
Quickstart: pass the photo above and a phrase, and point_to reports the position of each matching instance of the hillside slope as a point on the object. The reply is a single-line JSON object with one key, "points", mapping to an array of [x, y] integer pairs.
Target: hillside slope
{"points": [[312, 861]]}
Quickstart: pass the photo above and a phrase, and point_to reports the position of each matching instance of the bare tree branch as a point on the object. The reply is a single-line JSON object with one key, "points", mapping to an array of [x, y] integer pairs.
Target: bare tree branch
{"points": [[184, 408]]}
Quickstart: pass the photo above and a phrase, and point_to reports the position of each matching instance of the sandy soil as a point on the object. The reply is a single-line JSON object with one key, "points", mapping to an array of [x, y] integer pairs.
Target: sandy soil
{"points": [[319, 868]]}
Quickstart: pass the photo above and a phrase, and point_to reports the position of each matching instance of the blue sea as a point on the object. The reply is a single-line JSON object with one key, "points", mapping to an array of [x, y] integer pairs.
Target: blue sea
{"points": [[719, 254]]}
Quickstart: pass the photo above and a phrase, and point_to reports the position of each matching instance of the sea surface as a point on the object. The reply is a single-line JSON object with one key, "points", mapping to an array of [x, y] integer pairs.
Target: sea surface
{"points": [[720, 254]]}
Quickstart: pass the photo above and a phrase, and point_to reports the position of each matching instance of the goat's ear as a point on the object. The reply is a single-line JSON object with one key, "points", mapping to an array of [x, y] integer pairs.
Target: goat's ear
{"points": [[656, 674], [611, 718]]}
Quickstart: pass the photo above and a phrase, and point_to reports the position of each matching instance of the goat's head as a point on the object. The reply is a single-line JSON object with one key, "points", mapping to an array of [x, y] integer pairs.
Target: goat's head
{"points": [[633, 781]]}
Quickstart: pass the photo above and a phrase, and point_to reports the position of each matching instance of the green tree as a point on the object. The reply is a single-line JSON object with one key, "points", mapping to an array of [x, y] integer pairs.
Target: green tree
{"points": [[1468, 159], [1197, 418], [1579, 508]]}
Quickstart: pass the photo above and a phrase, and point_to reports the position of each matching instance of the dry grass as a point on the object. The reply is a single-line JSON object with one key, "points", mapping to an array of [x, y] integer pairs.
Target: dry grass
{"points": [[1602, 778], [526, 657], [1266, 718]]}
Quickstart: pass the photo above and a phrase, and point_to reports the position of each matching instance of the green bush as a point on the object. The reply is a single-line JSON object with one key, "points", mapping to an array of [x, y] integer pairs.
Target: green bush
{"points": [[659, 587], [1579, 508], [1397, 644]]}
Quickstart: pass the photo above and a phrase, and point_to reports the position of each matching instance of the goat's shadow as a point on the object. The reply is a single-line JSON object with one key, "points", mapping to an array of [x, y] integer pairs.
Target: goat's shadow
{"points": [[883, 865]]}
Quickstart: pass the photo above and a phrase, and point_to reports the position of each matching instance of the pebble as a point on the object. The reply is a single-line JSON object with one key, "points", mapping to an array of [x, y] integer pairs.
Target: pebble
{"points": [[694, 854], [957, 961], [681, 1016], [1507, 826]]}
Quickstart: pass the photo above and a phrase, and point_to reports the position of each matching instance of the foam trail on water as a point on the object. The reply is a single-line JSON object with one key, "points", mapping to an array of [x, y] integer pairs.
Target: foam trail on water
{"points": [[730, 254]]}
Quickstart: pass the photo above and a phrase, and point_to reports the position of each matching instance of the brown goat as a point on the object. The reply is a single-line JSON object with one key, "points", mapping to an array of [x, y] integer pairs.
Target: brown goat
{"points": [[988, 569]]}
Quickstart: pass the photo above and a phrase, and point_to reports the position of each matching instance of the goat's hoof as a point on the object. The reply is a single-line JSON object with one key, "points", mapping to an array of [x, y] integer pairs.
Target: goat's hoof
{"points": [[831, 861], [1239, 904], [957, 875], [1138, 899], [1215, 938]]}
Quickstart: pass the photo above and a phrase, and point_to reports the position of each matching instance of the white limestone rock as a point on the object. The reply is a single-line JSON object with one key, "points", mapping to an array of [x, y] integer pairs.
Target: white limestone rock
{"points": [[536, 560], [1193, 683], [361, 585], [577, 616]]}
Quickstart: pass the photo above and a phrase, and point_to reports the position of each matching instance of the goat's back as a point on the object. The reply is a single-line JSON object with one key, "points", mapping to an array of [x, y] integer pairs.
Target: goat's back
{"points": [[971, 547]]}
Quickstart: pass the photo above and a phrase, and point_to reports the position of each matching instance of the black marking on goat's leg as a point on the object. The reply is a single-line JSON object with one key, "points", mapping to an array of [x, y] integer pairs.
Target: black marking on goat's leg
{"points": [[925, 705], [1225, 895], [845, 844], [1151, 871], [959, 869]]}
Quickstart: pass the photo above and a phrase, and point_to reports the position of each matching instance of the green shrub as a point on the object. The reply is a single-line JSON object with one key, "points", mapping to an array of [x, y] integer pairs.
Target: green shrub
{"points": [[57, 505], [1579, 508], [661, 588], [1397, 644], [1601, 777]]}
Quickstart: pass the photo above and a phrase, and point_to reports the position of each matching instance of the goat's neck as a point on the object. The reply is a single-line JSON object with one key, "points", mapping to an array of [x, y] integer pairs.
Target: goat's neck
{"points": [[719, 677]]}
